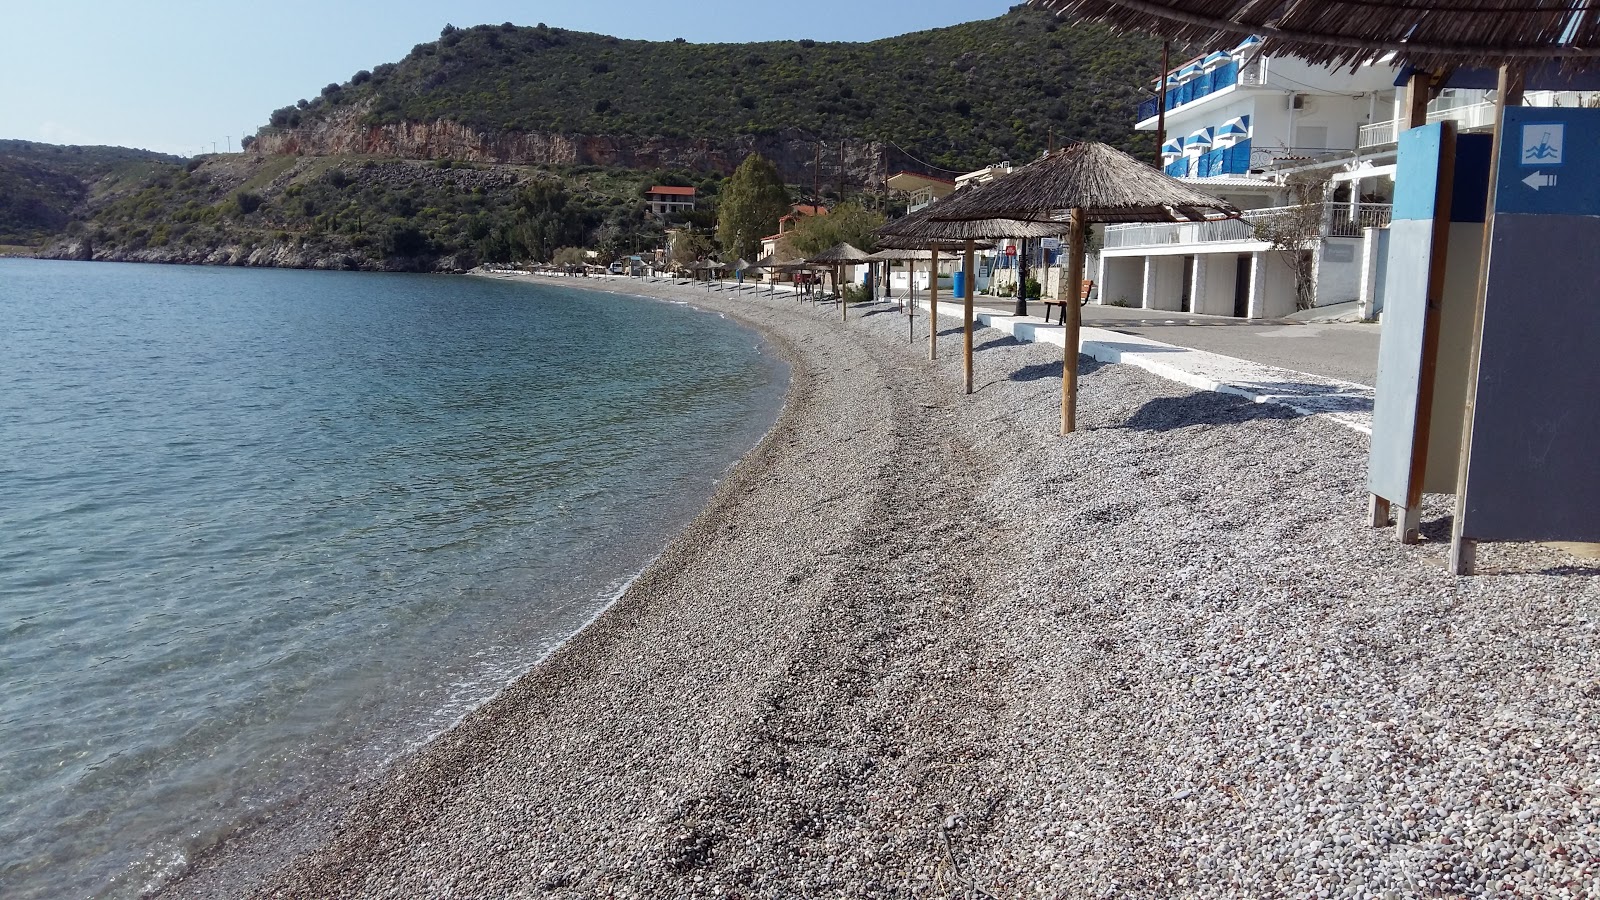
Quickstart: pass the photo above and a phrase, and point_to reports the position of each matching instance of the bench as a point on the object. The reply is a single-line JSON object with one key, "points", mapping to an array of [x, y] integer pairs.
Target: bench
{"points": [[1087, 287]]}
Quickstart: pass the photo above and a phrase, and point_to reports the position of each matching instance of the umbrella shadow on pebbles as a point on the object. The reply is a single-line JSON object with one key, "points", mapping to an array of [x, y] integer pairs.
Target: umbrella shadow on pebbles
{"points": [[1203, 408], [1037, 371]]}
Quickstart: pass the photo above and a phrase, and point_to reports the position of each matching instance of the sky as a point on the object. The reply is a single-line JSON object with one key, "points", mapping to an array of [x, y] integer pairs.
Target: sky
{"points": [[180, 76]]}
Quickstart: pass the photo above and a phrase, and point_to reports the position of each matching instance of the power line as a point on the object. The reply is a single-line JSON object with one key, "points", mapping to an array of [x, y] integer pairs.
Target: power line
{"points": [[924, 162]]}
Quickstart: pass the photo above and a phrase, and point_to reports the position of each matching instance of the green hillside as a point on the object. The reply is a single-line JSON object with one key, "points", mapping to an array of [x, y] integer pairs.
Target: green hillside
{"points": [[41, 185], [959, 96]]}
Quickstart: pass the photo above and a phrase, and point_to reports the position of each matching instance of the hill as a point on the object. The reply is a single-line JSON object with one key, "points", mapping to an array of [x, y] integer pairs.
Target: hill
{"points": [[957, 97], [501, 142], [41, 185]]}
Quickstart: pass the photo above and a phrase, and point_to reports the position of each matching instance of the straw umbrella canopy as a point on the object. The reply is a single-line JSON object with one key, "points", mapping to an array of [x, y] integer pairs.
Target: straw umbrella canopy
{"points": [[1083, 183], [1517, 34], [925, 229], [837, 257]]}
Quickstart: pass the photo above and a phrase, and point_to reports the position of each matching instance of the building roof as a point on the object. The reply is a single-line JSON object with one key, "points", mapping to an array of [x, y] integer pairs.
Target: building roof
{"points": [[807, 209], [675, 191], [914, 181]]}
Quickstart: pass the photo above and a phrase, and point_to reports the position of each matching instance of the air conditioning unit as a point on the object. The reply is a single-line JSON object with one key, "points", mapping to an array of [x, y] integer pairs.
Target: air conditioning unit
{"points": [[1297, 101]]}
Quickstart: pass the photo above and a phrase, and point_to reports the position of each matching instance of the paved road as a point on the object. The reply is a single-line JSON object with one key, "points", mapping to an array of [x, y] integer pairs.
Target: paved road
{"points": [[1348, 352]]}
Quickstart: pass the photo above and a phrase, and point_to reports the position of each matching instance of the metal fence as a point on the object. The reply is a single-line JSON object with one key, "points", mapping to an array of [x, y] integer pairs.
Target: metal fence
{"points": [[1343, 221]]}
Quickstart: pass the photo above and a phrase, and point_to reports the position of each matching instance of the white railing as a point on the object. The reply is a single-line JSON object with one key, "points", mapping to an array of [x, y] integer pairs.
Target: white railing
{"points": [[1476, 115], [1378, 133], [1344, 221], [1348, 221]]}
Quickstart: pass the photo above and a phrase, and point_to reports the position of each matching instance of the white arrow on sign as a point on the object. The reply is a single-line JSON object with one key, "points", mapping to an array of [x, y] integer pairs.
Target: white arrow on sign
{"points": [[1540, 180]]}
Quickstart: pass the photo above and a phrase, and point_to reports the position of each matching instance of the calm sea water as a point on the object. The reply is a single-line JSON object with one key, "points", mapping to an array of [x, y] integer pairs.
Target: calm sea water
{"points": [[262, 530]]}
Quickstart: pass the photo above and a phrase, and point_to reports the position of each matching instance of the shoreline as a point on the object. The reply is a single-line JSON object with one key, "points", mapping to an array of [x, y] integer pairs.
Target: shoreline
{"points": [[917, 643]]}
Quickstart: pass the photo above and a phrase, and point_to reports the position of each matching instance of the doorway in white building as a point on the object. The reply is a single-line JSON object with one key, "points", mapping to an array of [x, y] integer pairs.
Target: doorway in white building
{"points": [[1188, 284], [1241, 287]]}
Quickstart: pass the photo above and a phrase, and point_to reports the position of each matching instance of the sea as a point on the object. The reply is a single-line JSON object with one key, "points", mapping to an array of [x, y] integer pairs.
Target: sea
{"points": [[263, 531]]}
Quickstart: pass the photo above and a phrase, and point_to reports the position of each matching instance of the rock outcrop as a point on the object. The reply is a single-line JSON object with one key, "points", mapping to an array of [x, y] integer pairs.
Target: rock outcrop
{"points": [[286, 255], [794, 152]]}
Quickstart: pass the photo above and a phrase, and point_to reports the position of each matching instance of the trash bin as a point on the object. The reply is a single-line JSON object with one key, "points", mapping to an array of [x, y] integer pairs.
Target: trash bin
{"points": [[960, 283]]}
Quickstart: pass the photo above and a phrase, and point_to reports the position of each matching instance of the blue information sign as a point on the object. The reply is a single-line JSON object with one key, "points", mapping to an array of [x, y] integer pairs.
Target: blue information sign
{"points": [[1550, 162]]}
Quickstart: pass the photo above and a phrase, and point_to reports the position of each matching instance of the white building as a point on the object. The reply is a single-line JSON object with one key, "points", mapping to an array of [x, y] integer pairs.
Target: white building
{"points": [[664, 200], [1248, 128]]}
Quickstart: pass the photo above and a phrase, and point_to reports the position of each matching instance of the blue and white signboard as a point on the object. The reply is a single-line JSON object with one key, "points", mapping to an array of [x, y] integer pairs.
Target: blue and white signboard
{"points": [[1531, 468]]}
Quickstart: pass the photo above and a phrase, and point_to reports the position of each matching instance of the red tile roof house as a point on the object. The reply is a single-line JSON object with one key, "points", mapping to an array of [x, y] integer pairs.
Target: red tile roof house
{"points": [[665, 201]]}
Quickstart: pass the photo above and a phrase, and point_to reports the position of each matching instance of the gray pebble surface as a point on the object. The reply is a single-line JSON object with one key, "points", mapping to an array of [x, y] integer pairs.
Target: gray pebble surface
{"points": [[921, 645]]}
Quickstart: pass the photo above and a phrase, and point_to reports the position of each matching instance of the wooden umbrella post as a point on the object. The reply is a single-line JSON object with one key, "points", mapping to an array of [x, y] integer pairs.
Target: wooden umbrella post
{"points": [[1072, 320], [838, 282], [933, 304], [966, 316]]}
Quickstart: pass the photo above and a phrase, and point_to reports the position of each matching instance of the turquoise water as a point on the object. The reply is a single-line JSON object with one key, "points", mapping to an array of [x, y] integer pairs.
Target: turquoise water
{"points": [[262, 530]]}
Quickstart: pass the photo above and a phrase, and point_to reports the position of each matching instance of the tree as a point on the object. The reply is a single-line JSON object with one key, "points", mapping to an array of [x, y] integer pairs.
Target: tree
{"points": [[1295, 230], [753, 200], [847, 223], [689, 245]]}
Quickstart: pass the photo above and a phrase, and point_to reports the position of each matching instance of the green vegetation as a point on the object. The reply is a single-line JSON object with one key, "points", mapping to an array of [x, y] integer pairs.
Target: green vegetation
{"points": [[42, 184], [369, 213], [958, 97], [848, 223], [753, 199], [955, 97]]}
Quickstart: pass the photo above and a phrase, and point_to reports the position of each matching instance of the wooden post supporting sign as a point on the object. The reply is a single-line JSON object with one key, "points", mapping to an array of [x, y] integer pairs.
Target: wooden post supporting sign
{"points": [[1072, 321], [966, 309]]}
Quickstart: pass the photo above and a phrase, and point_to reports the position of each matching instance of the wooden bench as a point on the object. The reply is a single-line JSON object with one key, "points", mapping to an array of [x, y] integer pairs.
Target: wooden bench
{"points": [[1087, 287]]}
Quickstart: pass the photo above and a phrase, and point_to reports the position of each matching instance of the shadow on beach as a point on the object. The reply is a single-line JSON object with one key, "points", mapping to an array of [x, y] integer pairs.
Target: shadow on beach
{"points": [[1203, 408]]}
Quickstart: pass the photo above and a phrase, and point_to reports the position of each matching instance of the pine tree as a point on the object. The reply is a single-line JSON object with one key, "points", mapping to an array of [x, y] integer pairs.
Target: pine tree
{"points": [[753, 199]]}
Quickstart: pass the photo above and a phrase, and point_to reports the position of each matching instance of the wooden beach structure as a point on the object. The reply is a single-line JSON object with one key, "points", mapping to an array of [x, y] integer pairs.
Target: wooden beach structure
{"points": [[891, 255], [922, 229], [836, 258], [1478, 383], [1070, 189]]}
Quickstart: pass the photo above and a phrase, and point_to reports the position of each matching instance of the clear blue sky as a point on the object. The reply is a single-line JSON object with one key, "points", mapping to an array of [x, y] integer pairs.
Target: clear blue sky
{"points": [[177, 75]]}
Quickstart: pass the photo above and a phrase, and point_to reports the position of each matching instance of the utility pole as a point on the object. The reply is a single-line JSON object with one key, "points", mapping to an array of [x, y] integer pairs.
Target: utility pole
{"points": [[841, 171], [1022, 278], [816, 171], [1161, 104]]}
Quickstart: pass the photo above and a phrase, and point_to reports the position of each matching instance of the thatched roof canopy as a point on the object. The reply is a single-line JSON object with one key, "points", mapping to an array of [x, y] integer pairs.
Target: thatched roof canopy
{"points": [[1107, 184], [921, 231], [1429, 34], [841, 254], [913, 254]]}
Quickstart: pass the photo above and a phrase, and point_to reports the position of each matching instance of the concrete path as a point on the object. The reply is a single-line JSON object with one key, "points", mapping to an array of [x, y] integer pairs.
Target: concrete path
{"points": [[1345, 402]]}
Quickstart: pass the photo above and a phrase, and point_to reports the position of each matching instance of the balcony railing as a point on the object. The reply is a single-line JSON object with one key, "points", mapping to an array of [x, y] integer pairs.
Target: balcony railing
{"points": [[1476, 115], [1349, 221], [1234, 160], [1193, 89], [1344, 221]]}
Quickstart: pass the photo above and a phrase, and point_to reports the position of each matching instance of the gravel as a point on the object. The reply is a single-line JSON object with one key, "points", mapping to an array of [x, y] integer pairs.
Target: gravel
{"points": [[920, 645]]}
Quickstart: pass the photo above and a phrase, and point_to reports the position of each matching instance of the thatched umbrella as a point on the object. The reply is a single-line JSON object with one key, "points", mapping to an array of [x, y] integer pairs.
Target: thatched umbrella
{"points": [[1430, 36], [891, 255], [1082, 183], [838, 256], [923, 229]]}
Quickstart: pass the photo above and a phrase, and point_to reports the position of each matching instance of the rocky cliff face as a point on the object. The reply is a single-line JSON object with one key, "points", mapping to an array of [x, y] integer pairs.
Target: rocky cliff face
{"points": [[280, 255], [795, 154]]}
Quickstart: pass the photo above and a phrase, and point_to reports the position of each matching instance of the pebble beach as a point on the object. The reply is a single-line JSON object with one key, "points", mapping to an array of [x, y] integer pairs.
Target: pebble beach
{"points": [[921, 645]]}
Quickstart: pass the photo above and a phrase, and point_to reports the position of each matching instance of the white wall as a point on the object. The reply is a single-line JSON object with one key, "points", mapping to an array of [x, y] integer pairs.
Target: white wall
{"points": [[1275, 298], [1338, 270], [1214, 276], [1121, 281], [1163, 283]]}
